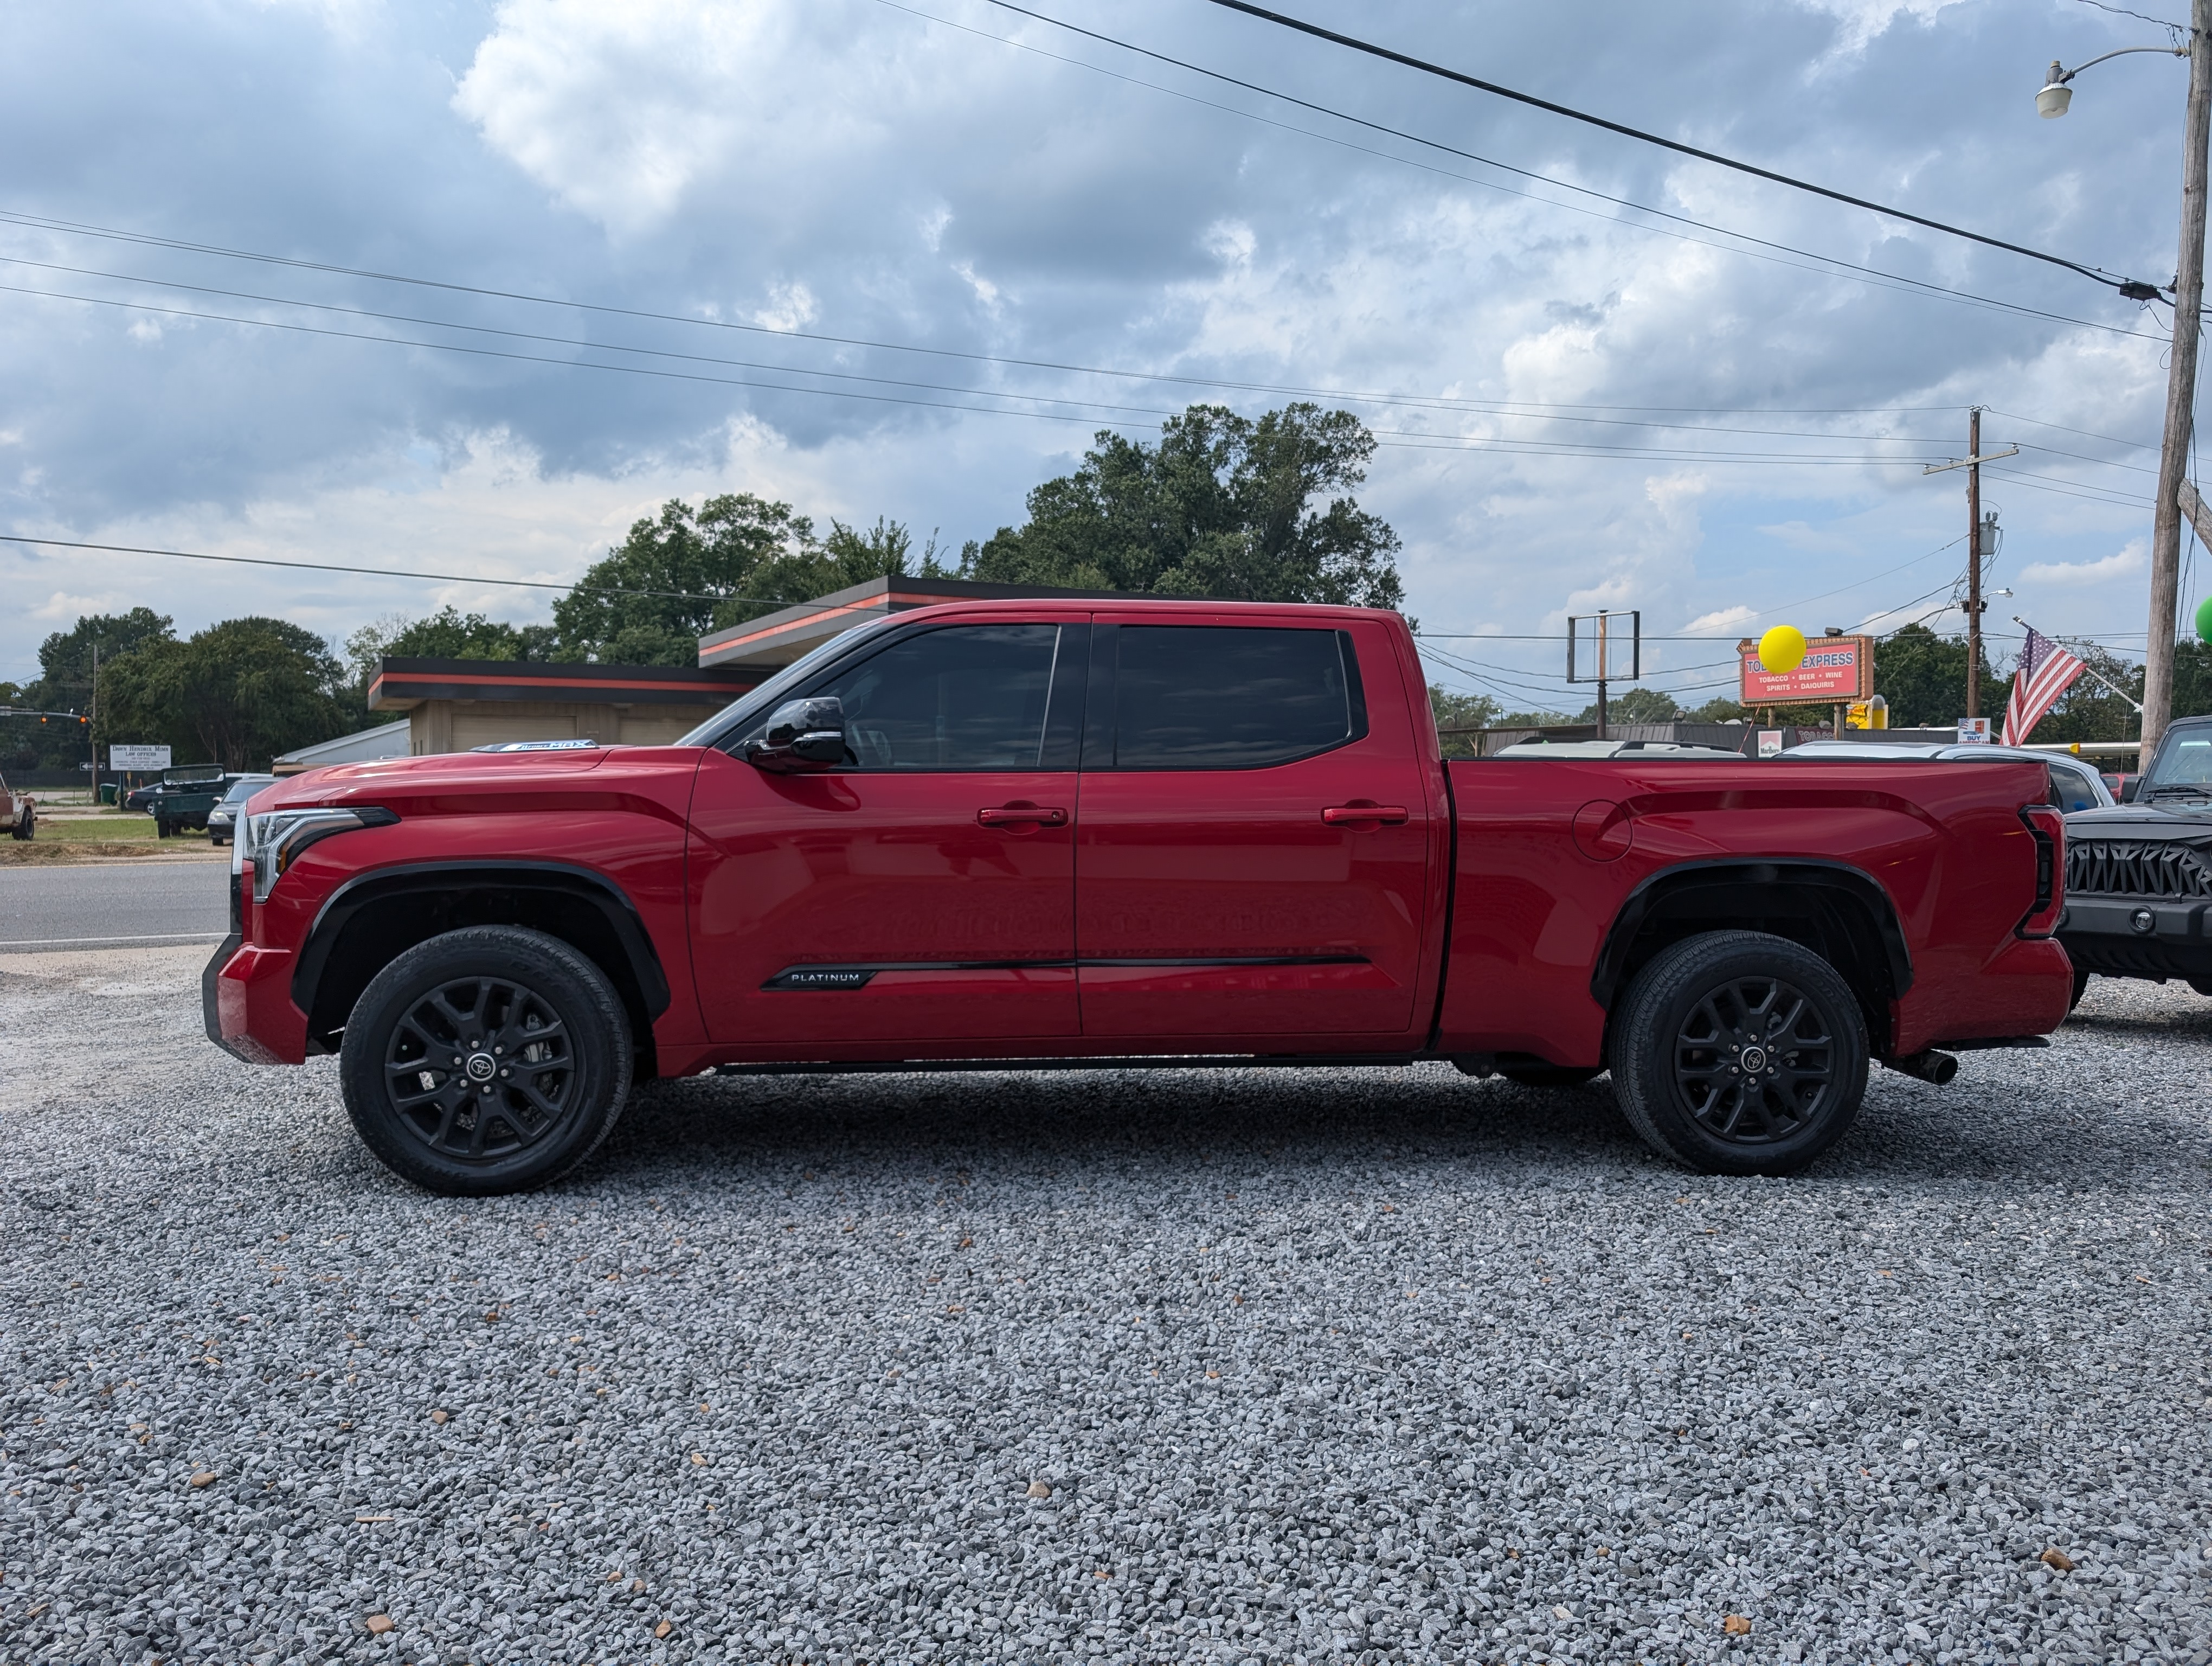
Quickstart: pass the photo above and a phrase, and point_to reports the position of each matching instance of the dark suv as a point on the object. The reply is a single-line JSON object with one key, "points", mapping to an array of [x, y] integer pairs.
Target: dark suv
{"points": [[2139, 875]]}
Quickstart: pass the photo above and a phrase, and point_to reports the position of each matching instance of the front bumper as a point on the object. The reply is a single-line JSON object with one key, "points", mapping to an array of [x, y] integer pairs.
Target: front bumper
{"points": [[246, 1004], [2138, 936]]}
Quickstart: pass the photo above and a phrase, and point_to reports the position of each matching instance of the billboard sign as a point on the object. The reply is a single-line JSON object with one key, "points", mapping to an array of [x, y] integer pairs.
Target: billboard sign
{"points": [[1836, 670], [137, 758]]}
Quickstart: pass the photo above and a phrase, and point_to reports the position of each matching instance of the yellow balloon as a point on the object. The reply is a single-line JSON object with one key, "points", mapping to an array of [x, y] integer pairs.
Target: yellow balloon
{"points": [[1781, 650]]}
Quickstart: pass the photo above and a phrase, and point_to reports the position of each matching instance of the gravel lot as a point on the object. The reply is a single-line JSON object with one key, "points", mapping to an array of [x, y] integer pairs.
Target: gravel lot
{"points": [[1375, 1366]]}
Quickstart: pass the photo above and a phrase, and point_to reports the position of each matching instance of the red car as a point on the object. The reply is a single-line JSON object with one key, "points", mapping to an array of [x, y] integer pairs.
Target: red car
{"points": [[1089, 834]]}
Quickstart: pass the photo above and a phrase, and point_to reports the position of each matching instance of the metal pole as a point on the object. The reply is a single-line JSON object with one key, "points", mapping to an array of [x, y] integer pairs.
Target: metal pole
{"points": [[1600, 653], [92, 724], [1974, 558], [2180, 386]]}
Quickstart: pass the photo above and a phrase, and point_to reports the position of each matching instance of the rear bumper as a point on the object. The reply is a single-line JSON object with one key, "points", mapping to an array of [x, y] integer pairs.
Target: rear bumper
{"points": [[2139, 937], [246, 1004]]}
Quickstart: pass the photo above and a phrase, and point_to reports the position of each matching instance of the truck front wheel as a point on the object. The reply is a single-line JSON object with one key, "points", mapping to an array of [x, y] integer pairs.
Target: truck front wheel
{"points": [[485, 1060], [1739, 1053]]}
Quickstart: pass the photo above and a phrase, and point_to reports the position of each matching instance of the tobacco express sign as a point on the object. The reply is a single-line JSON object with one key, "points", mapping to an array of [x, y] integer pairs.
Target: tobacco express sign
{"points": [[1836, 670]]}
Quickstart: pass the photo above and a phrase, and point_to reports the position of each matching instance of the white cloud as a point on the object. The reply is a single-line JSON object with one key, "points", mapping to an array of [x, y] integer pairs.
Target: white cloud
{"points": [[2121, 564], [1724, 622], [617, 109]]}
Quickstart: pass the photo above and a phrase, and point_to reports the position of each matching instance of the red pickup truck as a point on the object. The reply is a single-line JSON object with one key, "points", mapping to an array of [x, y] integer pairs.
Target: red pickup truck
{"points": [[1031, 834]]}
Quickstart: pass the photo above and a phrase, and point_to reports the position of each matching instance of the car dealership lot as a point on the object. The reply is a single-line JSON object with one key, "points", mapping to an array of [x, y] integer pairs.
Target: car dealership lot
{"points": [[1240, 1364]]}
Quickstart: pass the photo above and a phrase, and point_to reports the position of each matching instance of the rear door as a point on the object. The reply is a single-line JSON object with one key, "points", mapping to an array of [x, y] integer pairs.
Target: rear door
{"points": [[1252, 855], [922, 894]]}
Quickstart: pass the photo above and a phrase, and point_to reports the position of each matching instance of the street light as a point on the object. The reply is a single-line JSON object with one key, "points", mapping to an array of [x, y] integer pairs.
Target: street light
{"points": [[2051, 101], [2056, 95]]}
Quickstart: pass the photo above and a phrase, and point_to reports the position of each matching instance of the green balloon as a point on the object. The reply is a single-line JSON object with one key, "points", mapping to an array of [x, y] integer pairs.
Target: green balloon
{"points": [[2204, 620]]}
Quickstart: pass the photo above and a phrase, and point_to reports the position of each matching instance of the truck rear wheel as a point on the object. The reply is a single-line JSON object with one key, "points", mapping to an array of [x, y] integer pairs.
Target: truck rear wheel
{"points": [[488, 1059], [1739, 1053]]}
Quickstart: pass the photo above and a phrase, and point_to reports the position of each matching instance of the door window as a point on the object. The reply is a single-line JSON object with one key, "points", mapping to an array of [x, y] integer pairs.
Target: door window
{"points": [[1232, 697], [967, 697]]}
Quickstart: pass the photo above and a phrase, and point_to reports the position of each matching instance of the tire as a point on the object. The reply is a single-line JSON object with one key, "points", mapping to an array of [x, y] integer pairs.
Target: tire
{"points": [[1686, 1020], [2080, 989], [160, 828], [27, 824], [492, 992], [1548, 1075]]}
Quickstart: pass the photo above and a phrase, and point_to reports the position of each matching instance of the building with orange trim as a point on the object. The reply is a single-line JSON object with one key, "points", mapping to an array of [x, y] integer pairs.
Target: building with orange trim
{"points": [[452, 705]]}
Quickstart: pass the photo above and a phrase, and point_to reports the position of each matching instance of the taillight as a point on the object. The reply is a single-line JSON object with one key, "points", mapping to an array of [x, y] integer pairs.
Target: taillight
{"points": [[2047, 826]]}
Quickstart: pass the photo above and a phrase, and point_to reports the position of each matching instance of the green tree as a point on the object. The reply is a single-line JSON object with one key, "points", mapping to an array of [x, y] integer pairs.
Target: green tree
{"points": [[65, 676], [1635, 706], [1923, 676], [693, 571], [235, 694], [1222, 506], [1456, 710]]}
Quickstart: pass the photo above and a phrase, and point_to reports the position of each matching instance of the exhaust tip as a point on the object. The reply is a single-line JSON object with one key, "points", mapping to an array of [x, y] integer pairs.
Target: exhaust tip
{"points": [[1927, 1066]]}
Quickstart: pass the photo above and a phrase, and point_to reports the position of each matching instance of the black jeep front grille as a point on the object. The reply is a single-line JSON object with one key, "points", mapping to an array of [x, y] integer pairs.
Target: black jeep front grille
{"points": [[2115, 868]]}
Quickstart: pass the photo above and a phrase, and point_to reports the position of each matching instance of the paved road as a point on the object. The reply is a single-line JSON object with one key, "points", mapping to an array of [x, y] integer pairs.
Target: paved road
{"points": [[101, 907]]}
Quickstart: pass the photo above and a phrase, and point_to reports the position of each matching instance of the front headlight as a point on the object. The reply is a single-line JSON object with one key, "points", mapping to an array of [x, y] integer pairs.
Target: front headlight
{"points": [[272, 842]]}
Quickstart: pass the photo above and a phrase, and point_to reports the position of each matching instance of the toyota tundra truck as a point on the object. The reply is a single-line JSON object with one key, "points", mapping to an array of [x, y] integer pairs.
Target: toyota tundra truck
{"points": [[1031, 834]]}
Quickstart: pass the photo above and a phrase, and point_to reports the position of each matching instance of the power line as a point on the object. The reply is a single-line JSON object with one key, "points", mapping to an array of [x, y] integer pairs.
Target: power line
{"points": [[1501, 410], [1881, 278], [1404, 438], [768, 603], [2130, 287]]}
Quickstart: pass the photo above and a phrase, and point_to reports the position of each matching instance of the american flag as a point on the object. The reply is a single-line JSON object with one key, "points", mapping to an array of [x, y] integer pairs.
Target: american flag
{"points": [[2046, 671]]}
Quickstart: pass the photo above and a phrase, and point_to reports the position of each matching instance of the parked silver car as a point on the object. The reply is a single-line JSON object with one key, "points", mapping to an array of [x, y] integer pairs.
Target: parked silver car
{"points": [[2080, 787], [224, 817]]}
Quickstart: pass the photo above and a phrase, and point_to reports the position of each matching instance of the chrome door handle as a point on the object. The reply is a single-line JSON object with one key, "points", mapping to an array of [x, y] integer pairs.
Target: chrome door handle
{"points": [[1382, 815], [1013, 815]]}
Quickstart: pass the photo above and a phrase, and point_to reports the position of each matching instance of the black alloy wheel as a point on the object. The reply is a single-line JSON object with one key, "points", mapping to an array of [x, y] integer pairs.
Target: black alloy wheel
{"points": [[485, 1060], [1739, 1053], [1755, 1060]]}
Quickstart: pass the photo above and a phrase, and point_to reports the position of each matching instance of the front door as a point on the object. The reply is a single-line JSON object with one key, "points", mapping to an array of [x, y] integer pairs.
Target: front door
{"points": [[1253, 855], [923, 892]]}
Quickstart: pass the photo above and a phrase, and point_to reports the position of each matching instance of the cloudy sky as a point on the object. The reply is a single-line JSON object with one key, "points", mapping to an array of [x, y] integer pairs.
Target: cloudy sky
{"points": [[903, 259]]}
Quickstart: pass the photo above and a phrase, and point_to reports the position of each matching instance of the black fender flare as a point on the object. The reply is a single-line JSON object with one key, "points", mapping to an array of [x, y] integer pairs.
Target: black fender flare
{"points": [[1732, 873], [382, 884]]}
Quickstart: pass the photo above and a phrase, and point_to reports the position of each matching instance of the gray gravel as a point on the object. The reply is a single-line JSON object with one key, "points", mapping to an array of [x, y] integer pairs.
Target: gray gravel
{"points": [[1374, 1366]]}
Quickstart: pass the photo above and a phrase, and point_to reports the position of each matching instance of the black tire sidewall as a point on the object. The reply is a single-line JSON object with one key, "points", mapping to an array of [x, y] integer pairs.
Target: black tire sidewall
{"points": [[1660, 998], [578, 991]]}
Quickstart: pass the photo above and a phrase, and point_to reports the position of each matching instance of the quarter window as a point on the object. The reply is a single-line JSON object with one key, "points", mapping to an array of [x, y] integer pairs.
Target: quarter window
{"points": [[1232, 697]]}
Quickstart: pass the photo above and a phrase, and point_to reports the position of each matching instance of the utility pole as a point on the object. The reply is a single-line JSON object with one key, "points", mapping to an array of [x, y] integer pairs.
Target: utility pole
{"points": [[91, 723], [2180, 386], [1974, 559], [1971, 462]]}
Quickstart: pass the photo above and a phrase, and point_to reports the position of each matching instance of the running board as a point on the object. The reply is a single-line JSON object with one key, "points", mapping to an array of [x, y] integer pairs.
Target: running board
{"points": [[1139, 1061]]}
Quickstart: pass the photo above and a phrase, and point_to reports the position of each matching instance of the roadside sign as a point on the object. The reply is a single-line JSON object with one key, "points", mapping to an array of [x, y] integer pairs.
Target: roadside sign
{"points": [[137, 758], [1770, 743], [1973, 731], [1837, 670]]}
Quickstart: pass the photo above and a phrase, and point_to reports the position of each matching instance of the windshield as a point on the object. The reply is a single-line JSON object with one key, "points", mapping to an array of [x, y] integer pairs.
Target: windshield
{"points": [[2184, 764], [739, 715], [246, 789]]}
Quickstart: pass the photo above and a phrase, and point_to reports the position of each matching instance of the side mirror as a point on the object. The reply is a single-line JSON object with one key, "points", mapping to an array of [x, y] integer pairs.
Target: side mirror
{"points": [[2129, 787], [803, 735]]}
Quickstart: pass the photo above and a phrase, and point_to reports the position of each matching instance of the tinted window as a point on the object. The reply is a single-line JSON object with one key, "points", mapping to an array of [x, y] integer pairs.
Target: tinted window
{"points": [[2077, 788], [966, 697], [1231, 697]]}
